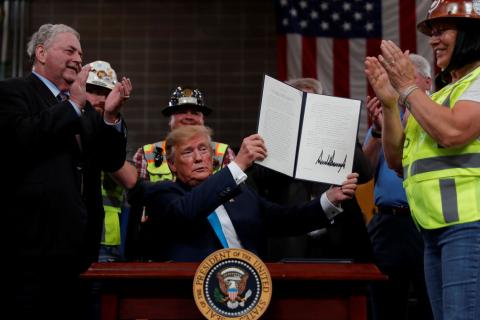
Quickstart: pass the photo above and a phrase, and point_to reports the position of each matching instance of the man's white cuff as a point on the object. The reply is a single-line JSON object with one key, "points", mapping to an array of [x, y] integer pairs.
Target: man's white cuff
{"points": [[330, 210], [238, 175]]}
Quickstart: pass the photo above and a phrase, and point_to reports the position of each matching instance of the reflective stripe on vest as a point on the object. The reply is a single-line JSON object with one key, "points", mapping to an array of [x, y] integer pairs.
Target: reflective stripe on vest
{"points": [[112, 198], [464, 161], [157, 173], [442, 184], [162, 172], [111, 226]]}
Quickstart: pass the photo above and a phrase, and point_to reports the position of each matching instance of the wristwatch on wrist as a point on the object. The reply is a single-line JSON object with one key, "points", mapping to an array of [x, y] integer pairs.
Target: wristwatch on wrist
{"points": [[376, 134]]}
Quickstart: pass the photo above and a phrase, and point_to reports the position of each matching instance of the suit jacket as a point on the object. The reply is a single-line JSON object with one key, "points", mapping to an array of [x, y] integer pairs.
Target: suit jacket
{"points": [[347, 238], [178, 217], [47, 219]]}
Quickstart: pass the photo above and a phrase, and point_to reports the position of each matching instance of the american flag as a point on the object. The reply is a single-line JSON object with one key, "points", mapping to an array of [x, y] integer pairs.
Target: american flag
{"points": [[329, 39]]}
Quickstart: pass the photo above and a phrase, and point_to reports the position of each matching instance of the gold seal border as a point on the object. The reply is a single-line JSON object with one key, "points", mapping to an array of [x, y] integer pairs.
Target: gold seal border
{"points": [[238, 254]]}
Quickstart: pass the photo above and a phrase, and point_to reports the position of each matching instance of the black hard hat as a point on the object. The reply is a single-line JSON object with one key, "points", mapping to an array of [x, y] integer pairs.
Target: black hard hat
{"points": [[184, 99]]}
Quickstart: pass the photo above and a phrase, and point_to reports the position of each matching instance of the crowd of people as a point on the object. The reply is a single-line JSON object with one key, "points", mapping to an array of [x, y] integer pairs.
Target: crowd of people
{"points": [[189, 196]]}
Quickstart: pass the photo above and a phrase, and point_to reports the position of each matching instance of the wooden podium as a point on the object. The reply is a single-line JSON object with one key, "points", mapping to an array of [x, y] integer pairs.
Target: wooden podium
{"points": [[329, 291]]}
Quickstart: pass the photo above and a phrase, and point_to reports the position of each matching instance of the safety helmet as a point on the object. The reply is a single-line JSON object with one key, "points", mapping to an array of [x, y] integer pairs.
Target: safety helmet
{"points": [[186, 98], [101, 74], [450, 10]]}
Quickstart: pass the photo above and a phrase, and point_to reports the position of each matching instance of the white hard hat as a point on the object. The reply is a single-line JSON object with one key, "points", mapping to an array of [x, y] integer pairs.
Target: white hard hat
{"points": [[102, 74]]}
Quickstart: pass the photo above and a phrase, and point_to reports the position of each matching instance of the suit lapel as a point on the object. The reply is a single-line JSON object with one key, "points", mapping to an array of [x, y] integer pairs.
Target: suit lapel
{"points": [[43, 92], [49, 100]]}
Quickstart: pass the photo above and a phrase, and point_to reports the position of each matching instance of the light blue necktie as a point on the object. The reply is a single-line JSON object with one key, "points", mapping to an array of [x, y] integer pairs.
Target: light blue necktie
{"points": [[217, 227]]}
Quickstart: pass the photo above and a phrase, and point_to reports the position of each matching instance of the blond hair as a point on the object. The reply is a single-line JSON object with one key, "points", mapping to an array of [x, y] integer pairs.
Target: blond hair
{"points": [[183, 134], [306, 83]]}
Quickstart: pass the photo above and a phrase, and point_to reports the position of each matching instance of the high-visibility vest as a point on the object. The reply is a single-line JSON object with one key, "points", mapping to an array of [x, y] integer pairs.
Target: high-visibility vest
{"points": [[112, 196], [442, 184], [161, 172]]}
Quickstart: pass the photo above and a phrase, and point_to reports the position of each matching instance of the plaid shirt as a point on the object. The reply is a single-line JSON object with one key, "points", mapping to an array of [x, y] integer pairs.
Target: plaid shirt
{"points": [[141, 162]]}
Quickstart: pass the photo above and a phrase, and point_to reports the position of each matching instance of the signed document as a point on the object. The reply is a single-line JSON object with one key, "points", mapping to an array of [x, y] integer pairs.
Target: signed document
{"points": [[308, 136]]}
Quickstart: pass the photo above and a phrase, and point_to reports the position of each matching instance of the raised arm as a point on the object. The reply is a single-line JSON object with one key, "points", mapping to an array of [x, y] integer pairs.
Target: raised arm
{"points": [[392, 130], [450, 127], [373, 141]]}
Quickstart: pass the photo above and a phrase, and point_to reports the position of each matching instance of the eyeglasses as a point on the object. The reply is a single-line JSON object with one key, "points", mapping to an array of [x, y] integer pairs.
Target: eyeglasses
{"points": [[440, 31]]}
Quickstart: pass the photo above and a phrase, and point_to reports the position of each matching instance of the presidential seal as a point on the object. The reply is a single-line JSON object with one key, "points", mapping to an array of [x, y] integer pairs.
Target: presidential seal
{"points": [[232, 284], [476, 6]]}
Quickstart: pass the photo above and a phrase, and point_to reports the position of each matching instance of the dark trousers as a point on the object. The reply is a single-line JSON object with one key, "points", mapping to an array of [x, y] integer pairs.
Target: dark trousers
{"points": [[402, 297], [47, 293], [398, 252]]}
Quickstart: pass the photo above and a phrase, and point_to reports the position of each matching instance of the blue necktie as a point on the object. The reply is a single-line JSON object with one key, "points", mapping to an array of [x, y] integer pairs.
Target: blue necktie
{"points": [[62, 96], [217, 227]]}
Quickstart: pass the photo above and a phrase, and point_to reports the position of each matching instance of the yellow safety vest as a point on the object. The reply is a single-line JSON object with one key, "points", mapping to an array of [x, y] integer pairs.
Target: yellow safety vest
{"points": [[112, 196], [161, 172], [442, 184]]}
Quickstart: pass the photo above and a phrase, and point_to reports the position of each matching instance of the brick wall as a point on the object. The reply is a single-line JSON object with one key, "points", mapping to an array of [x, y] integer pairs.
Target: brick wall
{"points": [[220, 47]]}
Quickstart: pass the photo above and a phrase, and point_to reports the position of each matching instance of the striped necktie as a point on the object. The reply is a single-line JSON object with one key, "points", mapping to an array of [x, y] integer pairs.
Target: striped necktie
{"points": [[62, 96]]}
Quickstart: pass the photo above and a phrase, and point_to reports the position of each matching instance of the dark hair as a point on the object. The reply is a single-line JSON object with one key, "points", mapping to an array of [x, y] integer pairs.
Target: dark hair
{"points": [[466, 51], [467, 45], [442, 79]]}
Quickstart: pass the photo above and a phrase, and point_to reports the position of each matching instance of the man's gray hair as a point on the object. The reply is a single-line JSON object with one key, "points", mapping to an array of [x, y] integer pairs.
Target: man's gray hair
{"points": [[421, 65], [304, 83], [44, 36]]}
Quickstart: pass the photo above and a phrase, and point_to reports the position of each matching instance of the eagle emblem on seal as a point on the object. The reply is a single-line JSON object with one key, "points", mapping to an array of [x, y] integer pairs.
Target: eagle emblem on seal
{"points": [[232, 284]]}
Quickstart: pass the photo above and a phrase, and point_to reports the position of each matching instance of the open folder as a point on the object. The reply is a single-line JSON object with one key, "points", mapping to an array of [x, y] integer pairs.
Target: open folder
{"points": [[308, 136]]}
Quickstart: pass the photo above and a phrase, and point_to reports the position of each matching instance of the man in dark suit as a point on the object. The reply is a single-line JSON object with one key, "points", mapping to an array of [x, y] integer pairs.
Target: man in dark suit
{"points": [[200, 212], [57, 144]]}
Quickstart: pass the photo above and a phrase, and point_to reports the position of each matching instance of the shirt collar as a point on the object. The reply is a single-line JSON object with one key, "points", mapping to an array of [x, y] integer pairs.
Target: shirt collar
{"points": [[52, 87]]}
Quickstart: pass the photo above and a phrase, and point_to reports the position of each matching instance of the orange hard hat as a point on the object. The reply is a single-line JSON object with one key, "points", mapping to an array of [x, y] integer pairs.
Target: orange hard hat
{"points": [[450, 10]]}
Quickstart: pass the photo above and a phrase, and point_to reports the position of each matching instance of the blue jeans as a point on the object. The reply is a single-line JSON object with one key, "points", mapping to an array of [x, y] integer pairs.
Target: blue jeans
{"points": [[452, 271], [109, 254]]}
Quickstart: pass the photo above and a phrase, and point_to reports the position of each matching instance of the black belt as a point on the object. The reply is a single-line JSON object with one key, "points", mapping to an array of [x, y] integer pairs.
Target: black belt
{"points": [[398, 211]]}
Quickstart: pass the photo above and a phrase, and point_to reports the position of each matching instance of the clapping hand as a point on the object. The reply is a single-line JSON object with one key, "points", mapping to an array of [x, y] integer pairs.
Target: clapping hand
{"points": [[378, 79], [78, 89], [397, 64], [119, 94], [374, 109]]}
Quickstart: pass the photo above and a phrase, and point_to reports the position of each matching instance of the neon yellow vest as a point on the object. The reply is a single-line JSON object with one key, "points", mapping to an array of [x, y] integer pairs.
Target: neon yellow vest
{"points": [[112, 196], [442, 184], [162, 172]]}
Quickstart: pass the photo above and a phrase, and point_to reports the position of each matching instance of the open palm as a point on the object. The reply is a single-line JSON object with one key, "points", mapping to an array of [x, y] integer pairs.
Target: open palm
{"points": [[378, 79]]}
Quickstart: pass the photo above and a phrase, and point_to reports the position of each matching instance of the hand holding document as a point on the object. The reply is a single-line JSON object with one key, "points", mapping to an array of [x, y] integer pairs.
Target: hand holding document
{"points": [[308, 136]]}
